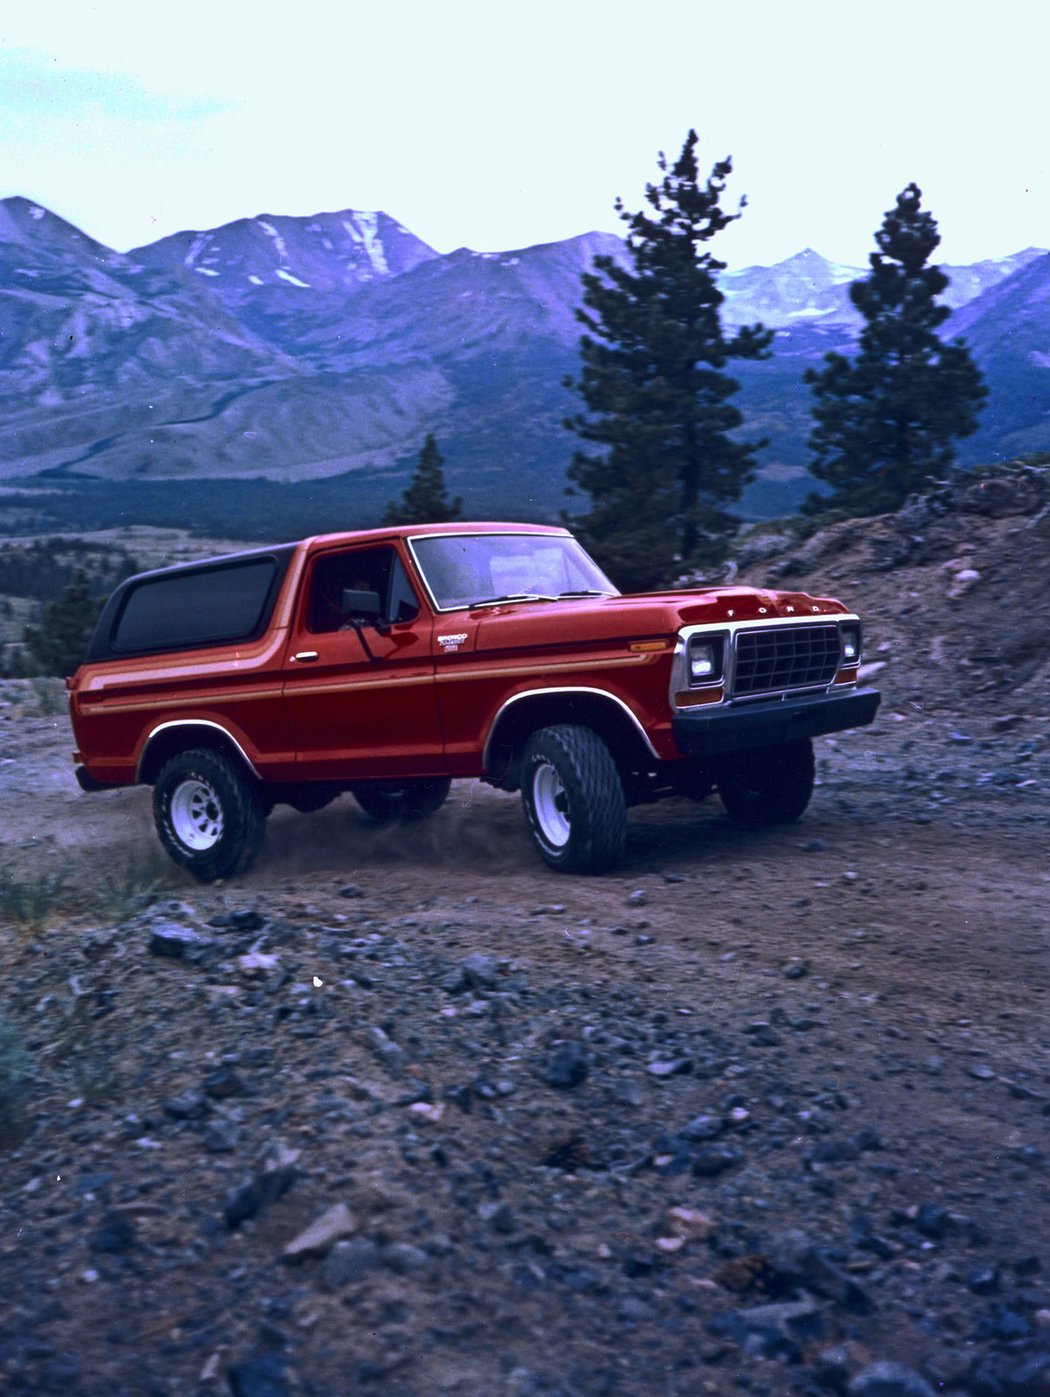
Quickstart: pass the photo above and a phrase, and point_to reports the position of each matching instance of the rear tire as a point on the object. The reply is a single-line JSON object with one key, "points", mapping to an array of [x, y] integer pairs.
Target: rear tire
{"points": [[574, 800], [768, 785], [210, 814], [408, 801]]}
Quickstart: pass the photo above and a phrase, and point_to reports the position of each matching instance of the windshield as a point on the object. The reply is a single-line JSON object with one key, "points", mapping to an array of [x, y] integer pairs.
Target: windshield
{"points": [[463, 570]]}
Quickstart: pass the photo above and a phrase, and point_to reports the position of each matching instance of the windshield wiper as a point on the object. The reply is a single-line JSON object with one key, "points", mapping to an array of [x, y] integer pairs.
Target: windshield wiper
{"points": [[586, 592], [513, 596]]}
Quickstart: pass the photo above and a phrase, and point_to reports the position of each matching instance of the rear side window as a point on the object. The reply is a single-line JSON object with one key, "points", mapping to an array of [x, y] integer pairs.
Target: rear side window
{"points": [[203, 606]]}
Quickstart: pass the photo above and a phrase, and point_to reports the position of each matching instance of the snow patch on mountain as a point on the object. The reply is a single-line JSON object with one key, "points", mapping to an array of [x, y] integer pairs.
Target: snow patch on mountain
{"points": [[279, 243], [292, 280], [364, 229], [196, 247]]}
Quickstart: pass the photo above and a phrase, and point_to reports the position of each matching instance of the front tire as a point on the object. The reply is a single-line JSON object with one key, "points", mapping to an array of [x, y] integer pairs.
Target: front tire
{"points": [[574, 800], [210, 815], [386, 801], [768, 785]]}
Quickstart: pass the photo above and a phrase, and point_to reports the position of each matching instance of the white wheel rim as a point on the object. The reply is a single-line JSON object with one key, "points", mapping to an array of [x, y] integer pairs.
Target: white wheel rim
{"points": [[551, 804], [196, 815]]}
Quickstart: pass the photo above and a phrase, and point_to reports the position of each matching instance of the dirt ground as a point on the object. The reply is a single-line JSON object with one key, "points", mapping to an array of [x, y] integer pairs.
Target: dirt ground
{"points": [[759, 1112], [858, 1002]]}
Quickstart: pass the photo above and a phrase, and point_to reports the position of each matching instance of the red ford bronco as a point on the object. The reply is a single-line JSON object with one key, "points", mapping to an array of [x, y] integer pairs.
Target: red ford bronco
{"points": [[388, 662]]}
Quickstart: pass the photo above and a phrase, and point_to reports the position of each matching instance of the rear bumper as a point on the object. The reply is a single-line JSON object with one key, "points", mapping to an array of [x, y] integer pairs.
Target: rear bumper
{"points": [[768, 723]]}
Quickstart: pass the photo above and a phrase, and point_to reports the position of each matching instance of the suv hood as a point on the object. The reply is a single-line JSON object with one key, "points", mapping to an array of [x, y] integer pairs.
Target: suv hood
{"points": [[647, 615]]}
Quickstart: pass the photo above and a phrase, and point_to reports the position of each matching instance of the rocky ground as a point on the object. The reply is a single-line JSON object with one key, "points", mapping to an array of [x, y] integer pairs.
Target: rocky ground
{"points": [[398, 1111]]}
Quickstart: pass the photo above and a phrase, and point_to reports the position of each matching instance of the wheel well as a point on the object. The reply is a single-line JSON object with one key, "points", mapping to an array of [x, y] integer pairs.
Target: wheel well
{"points": [[169, 741], [521, 718]]}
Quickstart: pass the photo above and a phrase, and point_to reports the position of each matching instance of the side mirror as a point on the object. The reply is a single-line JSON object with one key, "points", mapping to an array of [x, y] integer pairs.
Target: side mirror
{"points": [[361, 606]]}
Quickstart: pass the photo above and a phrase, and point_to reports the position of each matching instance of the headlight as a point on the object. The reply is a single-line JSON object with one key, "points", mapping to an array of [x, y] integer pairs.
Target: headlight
{"points": [[704, 659], [850, 644]]}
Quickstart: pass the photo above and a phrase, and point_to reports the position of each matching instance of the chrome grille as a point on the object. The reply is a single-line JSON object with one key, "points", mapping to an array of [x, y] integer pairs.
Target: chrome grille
{"points": [[785, 657]]}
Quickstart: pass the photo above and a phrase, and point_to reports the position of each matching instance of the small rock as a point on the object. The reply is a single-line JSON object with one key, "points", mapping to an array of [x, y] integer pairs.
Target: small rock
{"points": [[799, 1261], [773, 1331], [889, 1380], [189, 1105], [221, 1137], [703, 1128], [389, 1053], [984, 1279], [982, 1072], [795, 968], [350, 890], [349, 1261], [628, 1092], [114, 1235], [712, 1160], [932, 1220], [689, 1223], [499, 1217], [670, 1067], [963, 581], [247, 919], [638, 898], [568, 1066], [175, 941], [480, 972], [274, 1179], [223, 1082], [428, 1111], [258, 1377], [1006, 721], [764, 1034], [404, 1258], [258, 962], [331, 1227]]}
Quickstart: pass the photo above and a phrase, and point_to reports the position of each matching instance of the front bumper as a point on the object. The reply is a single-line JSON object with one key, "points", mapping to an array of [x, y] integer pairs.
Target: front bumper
{"points": [[770, 722]]}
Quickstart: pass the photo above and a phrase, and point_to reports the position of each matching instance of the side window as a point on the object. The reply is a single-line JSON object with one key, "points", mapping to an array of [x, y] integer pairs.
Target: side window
{"points": [[201, 606], [361, 570]]}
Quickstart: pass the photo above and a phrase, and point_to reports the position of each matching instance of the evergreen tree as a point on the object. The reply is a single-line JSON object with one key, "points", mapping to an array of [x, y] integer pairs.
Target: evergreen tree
{"points": [[59, 644], [426, 500], [657, 396], [885, 422]]}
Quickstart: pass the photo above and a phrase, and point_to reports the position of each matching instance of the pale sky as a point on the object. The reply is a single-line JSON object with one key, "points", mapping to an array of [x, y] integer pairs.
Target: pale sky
{"points": [[496, 126]]}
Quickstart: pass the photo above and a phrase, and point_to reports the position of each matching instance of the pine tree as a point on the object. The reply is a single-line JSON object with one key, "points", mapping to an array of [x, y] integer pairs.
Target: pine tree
{"points": [[57, 646], [426, 500], [885, 422], [653, 380]]}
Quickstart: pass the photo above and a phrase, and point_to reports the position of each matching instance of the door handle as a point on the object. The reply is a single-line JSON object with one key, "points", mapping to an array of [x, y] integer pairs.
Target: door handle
{"points": [[305, 655]]}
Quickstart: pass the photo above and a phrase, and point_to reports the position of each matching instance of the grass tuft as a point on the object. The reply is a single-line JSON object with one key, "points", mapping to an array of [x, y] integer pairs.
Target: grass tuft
{"points": [[16, 1075], [27, 903], [125, 892]]}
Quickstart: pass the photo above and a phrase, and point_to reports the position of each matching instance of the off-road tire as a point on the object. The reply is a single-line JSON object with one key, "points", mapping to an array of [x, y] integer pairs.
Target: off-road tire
{"points": [[767, 785], [385, 802], [210, 814], [574, 799]]}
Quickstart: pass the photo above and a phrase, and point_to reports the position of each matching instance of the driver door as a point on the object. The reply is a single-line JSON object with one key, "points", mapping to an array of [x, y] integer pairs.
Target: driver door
{"points": [[362, 701]]}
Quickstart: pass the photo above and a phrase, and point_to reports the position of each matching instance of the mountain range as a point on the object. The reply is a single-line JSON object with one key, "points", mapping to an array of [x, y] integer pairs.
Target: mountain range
{"points": [[306, 350]]}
